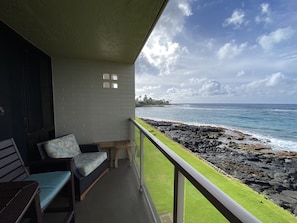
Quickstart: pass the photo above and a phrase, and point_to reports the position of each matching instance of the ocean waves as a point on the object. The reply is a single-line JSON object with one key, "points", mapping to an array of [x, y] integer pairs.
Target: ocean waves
{"points": [[274, 124]]}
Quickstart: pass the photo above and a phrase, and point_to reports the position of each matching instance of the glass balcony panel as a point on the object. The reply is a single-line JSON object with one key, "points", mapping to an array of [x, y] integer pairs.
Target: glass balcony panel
{"points": [[159, 179], [158, 174], [136, 150], [198, 208]]}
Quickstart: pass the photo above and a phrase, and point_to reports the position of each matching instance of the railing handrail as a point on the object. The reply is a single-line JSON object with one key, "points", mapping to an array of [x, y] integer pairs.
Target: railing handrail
{"points": [[223, 203]]}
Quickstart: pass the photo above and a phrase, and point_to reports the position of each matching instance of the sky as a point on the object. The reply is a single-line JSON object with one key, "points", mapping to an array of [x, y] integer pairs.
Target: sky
{"points": [[221, 51]]}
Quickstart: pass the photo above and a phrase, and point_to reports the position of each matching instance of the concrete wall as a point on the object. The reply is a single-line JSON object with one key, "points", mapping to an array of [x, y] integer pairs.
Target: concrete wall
{"points": [[83, 107]]}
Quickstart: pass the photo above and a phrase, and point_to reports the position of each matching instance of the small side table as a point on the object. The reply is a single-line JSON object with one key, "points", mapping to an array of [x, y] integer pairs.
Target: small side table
{"points": [[117, 146], [122, 145], [108, 146], [16, 198]]}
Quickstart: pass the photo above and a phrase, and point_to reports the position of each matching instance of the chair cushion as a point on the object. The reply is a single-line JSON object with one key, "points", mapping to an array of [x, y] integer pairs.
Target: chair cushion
{"points": [[87, 162], [50, 183], [62, 147]]}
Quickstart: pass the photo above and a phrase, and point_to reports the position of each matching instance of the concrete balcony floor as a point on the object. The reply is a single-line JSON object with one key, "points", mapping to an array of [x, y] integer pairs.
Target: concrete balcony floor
{"points": [[114, 198]]}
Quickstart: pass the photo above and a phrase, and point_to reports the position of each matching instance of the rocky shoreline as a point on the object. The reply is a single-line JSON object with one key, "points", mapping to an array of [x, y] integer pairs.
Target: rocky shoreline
{"points": [[273, 173]]}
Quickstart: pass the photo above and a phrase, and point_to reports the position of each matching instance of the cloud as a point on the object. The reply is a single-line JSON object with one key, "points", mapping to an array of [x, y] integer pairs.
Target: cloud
{"points": [[183, 63], [265, 8], [274, 88], [161, 50], [149, 91], [211, 88], [185, 7], [236, 19], [198, 87], [240, 73], [161, 54], [271, 81], [180, 93], [264, 14], [275, 84], [268, 41], [148, 88], [274, 79], [230, 50], [196, 81], [290, 57]]}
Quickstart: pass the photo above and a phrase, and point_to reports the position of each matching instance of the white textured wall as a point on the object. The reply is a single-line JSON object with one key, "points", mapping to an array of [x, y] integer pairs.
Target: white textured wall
{"points": [[83, 107]]}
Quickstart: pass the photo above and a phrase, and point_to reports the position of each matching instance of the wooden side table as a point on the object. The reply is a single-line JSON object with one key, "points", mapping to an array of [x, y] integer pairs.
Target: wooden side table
{"points": [[16, 198], [117, 146], [108, 146], [122, 145]]}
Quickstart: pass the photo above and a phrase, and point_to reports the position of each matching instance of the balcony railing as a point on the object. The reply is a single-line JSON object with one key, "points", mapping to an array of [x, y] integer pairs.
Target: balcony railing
{"points": [[230, 209]]}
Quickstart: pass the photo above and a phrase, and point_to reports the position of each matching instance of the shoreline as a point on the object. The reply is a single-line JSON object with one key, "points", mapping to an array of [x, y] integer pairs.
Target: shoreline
{"points": [[244, 137], [241, 156]]}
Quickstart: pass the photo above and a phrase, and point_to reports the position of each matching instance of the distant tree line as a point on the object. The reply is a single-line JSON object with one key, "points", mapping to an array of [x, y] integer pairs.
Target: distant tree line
{"points": [[148, 101]]}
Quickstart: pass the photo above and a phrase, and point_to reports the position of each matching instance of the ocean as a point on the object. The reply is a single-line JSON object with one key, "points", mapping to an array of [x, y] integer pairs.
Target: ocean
{"points": [[275, 124]]}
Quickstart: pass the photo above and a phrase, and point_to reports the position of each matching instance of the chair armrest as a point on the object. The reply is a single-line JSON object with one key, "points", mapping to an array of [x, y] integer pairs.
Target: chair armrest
{"points": [[51, 165], [87, 148]]}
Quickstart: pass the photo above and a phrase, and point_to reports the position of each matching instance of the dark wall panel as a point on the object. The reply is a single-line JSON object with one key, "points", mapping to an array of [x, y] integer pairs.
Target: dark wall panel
{"points": [[34, 119], [25, 93]]}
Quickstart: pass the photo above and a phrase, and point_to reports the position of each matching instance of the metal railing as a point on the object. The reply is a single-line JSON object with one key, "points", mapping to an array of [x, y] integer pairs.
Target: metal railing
{"points": [[222, 202]]}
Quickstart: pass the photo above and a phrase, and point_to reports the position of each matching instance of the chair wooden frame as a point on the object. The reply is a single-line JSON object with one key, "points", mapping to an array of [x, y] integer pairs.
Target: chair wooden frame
{"points": [[12, 169]]}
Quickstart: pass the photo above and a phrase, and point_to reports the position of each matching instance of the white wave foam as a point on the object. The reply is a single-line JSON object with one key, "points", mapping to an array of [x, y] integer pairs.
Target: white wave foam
{"points": [[278, 144]]}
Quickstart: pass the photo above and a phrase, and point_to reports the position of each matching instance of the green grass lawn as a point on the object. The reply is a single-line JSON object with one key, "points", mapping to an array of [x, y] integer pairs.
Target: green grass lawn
{"points": [[159, 172]]}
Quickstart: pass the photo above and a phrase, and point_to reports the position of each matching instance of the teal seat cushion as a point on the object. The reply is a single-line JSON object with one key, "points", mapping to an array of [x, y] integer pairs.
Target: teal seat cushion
{"points": [[50, 183]]}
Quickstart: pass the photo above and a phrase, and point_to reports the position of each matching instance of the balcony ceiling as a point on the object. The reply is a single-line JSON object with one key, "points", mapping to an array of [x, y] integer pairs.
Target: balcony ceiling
{"points": [[108, 30]]}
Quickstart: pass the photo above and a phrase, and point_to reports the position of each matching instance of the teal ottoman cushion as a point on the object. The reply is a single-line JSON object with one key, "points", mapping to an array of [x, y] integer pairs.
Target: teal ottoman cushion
{"points": [[50, 183]]}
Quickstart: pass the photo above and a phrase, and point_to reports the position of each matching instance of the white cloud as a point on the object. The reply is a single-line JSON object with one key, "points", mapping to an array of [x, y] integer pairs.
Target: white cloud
{"points": [[212, 88], [240, 73], [185, 7], [148, 88], [272, 81], [196, 81], [221, 65], [289, 57], [176, 92], [209, 44], [267, 42], [264, 14], [236, 19], [265, 8], [230, 50], [161, 51], [273, 86], [199, 87]]}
